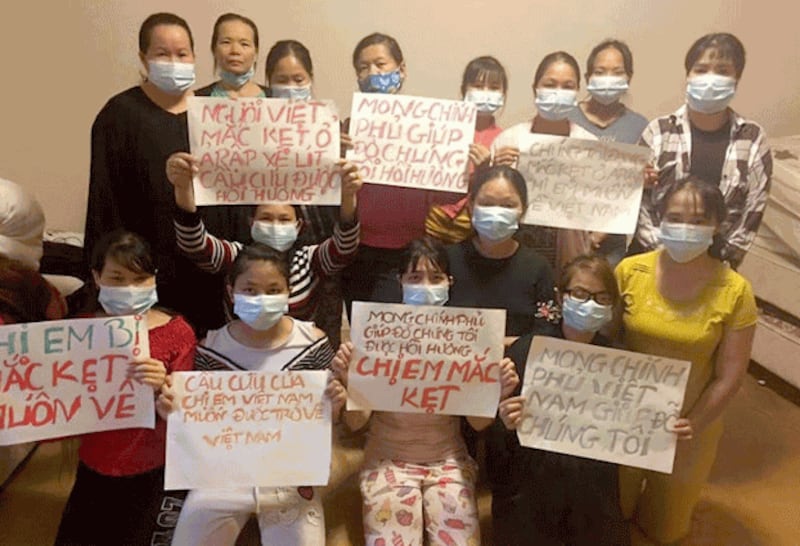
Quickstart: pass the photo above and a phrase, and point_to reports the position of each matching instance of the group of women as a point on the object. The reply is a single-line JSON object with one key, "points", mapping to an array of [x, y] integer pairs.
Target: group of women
{"points": [[253, 284]]}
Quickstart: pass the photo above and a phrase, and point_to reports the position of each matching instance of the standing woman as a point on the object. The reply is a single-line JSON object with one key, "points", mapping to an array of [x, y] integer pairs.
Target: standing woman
{"points": [[682, 302], [132, 137], [609, 70], [708, 139], [555, 90], [234, 44]]}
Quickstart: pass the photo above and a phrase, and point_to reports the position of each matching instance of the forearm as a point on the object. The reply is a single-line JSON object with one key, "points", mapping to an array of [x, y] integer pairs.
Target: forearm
{"points": [[712, 403], [184, 198], [479, 423], [356, 419]]}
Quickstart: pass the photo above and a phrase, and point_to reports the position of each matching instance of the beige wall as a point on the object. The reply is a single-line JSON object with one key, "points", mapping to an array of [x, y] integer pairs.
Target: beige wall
{"points": [[63, 59]]}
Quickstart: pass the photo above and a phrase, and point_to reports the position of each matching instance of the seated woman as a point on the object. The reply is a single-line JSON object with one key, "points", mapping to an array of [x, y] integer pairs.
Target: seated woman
{"points": [[682, 302], [276, 226], [707, 139]]}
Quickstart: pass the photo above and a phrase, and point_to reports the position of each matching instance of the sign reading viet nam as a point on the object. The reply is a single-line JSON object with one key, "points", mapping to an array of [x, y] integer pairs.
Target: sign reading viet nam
{"points": [[425, 359], [582, 184], [413, 142], [602, 403], [68, 377], [248, 429], [253, 150]]}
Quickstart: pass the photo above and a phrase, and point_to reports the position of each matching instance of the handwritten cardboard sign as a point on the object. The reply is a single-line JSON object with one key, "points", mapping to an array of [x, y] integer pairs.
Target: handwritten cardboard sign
{"points": [[601, 403], [582, 184], [425, 359], [254, 150], [68, 377], [248, 429], [413, 142]]}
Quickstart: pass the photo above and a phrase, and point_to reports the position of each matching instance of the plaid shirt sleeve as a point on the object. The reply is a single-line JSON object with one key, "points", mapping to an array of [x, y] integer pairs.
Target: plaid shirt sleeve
{"points": [[646, 233]]}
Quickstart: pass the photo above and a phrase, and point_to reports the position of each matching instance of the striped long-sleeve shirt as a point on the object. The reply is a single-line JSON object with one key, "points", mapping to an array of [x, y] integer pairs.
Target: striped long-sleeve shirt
{"points": [[745, 180], [309, 264]]}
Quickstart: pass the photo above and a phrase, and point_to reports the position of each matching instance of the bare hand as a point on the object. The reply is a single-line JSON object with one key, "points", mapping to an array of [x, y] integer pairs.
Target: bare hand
{"points": [[507, 155], [508, 378], [596, 239], [345, 143], [149, 372], [510, 411], [478, 154], [337, 394], [166, 402], [341, 362], [650, 176], [351, 179], [683, 429], [181, 168]]}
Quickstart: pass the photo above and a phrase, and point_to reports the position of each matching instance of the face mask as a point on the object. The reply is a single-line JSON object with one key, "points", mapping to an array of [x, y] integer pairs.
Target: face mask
{"points": [[556, 104], [172, 78], [127, 300], [495, 223], [710, 93], [381, 83], [586, 316], [607, 89], [425, 294], [279, 236], [290, 92], [260, 312], [685, 242], [237, 80], [487, 102]]}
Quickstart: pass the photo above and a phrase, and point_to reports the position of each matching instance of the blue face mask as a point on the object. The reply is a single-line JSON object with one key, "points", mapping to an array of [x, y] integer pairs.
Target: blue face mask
{"points": [[260, 312], [426, 294], [171, 78], [290, 92], [237, 80], [485, 100], [607, 89], [586, 316], [127, 300], [685, 242], [495, 224], [382, 83], [555, 104], [280, 236], [710, 93]]}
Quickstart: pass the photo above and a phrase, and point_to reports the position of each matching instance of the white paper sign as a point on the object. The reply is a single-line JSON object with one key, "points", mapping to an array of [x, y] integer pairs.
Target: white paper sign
{"points": [[601, 403], [248, 429], [254, 150], [68, 377], [425, 359], [413, 142], [582, 184]]}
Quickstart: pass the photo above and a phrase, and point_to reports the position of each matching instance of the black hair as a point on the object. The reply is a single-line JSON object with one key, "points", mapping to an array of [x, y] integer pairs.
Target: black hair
{"points": [[128, 249], [377, 38], [483, 69], [286, 48], [726, 45], [622, 47], [256, 252], [156, 19], [513, 176], [227, 17], [421, 249], [714, 207], [557, 57]]}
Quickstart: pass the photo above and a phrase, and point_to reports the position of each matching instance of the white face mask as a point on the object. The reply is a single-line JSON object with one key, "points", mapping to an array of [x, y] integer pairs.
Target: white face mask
{"points": [[172, 78], [495, 223], [607, 89], [260, 312], [556, 104], [426, 294], [277, 235], [237, 80], [290, 92], [585, 316], [710, 93], [685, 242], [485, 100], [127, 300]]}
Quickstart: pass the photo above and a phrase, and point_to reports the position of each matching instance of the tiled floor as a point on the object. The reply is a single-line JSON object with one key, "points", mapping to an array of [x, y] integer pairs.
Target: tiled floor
{"points": [[752, 498]]}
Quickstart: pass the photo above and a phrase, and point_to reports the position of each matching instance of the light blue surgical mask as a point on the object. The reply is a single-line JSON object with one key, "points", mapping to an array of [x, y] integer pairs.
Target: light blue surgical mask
{"points": [[278, 235], [127, 300], [237, 80], [260, 312], [607, 89], [585, 316], [555, 104], [290, 92], [382, 83], [710, 93], [495, 224], [685, 242], [172, 78], [426, 294], [485, 100]]}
